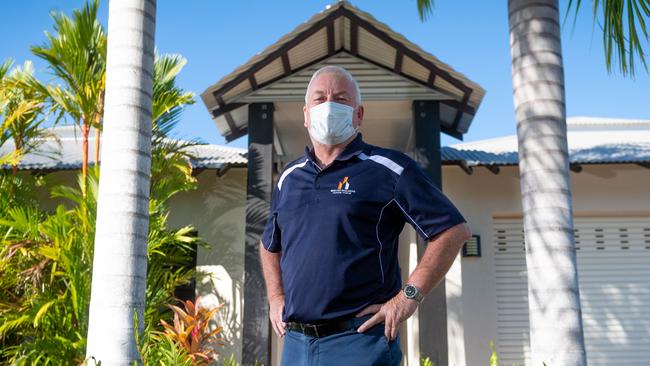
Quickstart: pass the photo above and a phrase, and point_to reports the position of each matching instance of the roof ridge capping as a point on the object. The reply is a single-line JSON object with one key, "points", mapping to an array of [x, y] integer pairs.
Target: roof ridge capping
{"points": [[606, 124]]}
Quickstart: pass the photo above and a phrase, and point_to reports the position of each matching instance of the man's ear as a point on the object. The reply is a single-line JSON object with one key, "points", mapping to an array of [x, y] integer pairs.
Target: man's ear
{"points": [[358, 113], [305, 112]]}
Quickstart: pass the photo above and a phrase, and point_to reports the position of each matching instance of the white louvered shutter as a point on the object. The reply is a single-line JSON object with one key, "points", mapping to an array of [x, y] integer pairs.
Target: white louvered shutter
{"points": [[614, 277]]}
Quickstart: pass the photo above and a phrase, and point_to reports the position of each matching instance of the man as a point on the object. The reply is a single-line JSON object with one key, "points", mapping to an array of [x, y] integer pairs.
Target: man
{"points": [[329, 251]]}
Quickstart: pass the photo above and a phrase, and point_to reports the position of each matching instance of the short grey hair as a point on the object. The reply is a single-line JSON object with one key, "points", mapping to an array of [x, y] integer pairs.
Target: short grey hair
{"points": [[331, 69]]}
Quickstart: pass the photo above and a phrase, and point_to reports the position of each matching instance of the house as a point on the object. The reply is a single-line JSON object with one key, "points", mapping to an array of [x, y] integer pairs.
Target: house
{"points": [[411, 97], [610, 180], [485, 289]]}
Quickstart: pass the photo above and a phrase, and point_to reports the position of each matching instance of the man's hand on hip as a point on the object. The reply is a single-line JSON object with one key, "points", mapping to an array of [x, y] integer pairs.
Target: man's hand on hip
{"points": [[392, 313], [276, 305]]}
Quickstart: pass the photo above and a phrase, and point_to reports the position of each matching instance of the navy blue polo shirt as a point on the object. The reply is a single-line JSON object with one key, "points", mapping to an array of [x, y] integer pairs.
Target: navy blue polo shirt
{"points": [[338, 228]]}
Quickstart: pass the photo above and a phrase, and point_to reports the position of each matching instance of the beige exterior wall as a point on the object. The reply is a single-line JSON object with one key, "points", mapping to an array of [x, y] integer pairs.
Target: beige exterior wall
{"points": [[602, 190], [218, 208], [218, 211]]}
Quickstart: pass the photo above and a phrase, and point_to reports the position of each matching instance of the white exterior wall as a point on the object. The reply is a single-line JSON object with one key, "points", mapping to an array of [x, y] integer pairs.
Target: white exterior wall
{"points": [[218, 211], [599, 190]]}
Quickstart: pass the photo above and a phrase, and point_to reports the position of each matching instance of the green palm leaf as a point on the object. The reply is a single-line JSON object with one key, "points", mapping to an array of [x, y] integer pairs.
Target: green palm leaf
{"points": [[623, 23]]}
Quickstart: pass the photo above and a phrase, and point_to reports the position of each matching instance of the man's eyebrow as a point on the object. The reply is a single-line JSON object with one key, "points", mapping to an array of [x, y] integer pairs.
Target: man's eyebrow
{"points": [[342, 93]]}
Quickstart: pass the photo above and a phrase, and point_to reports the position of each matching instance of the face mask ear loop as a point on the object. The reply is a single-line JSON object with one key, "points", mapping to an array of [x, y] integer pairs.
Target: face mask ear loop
{"points": [[356, 129]]}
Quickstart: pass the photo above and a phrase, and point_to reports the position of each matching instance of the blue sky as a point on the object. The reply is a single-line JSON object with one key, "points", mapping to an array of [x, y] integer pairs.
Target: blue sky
{"points": [[471, 36]]}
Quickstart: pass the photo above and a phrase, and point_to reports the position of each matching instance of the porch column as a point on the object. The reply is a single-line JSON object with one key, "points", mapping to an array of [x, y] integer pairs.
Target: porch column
{"points": [[433, 310], [256, 330]]}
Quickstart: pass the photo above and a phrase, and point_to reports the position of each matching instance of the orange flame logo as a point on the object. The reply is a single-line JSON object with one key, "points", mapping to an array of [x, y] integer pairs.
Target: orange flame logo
{"points": [[341, 183]]}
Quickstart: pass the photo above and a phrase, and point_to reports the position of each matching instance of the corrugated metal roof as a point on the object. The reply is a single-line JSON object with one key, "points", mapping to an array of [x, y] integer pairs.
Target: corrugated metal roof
{"points": [[591, 141], [601, 154], [63, 152], [217, 156]]}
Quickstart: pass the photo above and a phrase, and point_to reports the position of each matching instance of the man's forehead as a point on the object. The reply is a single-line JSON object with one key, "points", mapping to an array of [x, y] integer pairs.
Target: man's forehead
{"points": [[328, 79], [336, 92]]}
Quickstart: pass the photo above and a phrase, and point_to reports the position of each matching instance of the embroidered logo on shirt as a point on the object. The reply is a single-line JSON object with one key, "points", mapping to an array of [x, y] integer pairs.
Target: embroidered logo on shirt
{"points": [[343, 187]]}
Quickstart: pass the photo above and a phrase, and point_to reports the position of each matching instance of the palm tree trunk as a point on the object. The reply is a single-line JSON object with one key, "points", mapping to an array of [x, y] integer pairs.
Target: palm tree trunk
{"points": [[85, 130], [120, 257], [556, 333], [97, 137], [98, 132]]}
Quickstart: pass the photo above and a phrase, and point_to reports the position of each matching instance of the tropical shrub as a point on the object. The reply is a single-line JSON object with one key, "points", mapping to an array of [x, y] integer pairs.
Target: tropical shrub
{"points": [[45, 281], [45, 274], [191, 330], [46, 256]]}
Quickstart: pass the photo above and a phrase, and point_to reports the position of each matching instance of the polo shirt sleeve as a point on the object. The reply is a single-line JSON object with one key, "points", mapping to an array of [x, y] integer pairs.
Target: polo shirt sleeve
{"points": [[428, 210], [271, 234]]}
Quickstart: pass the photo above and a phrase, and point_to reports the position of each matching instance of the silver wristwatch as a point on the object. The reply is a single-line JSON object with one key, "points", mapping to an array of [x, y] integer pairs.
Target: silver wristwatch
{"points": [[412, 292]]}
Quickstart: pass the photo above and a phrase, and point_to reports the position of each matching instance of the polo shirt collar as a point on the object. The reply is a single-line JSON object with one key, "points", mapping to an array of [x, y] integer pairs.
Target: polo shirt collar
{"points": [[355, 147]]}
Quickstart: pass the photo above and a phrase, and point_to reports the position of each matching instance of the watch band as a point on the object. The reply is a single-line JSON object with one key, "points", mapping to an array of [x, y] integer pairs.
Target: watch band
{"points": [[412, 292]]}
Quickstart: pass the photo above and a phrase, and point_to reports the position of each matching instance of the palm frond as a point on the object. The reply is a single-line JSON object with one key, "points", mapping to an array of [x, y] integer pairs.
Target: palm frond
{"points": [[168, 99], [5, 66], [425, 9], [625, 33], [24, 111], [76, 55]]}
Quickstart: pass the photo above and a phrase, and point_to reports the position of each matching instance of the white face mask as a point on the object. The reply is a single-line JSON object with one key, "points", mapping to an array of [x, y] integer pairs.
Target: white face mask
{"points": [[331, 123]]}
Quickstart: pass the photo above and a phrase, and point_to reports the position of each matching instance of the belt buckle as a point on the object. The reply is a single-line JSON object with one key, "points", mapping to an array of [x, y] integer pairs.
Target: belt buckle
{"points": [[313, 327]]}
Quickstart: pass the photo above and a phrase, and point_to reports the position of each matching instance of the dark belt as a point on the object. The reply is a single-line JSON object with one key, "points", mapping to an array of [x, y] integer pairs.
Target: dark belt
{"points": [[323, 329]]}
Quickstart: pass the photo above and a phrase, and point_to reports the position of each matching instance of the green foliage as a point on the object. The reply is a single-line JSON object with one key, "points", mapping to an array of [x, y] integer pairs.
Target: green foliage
{"points": [[46, 257], [45, 272], [623, 24], [76, 55], [494, 357], [158, 350], [426, 362], [425, 9], [191, 330], [187, 341], [230, 361], [624, 30], [44, 283], [167, 97], [23, 102]]}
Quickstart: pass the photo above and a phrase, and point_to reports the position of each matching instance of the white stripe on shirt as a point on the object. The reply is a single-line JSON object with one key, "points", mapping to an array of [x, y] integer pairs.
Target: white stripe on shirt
{"points": [[398, 169], [288, 171]]}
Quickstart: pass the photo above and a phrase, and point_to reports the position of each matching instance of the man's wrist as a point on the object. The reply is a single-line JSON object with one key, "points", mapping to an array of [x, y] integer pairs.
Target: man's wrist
{"points": [[412, 292], [276, 297]]}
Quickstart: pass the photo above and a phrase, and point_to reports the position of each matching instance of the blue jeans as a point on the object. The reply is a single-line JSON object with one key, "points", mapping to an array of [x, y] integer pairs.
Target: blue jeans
{"points": [[348, 348]]}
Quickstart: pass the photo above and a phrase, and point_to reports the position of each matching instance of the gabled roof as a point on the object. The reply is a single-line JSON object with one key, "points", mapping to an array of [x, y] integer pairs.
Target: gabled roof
{"points": [[385, 63], [62, 151], [591, 141]]}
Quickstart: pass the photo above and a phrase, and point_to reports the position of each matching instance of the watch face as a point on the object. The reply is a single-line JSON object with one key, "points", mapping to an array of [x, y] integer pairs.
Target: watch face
{"points": [[410, 291]]}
